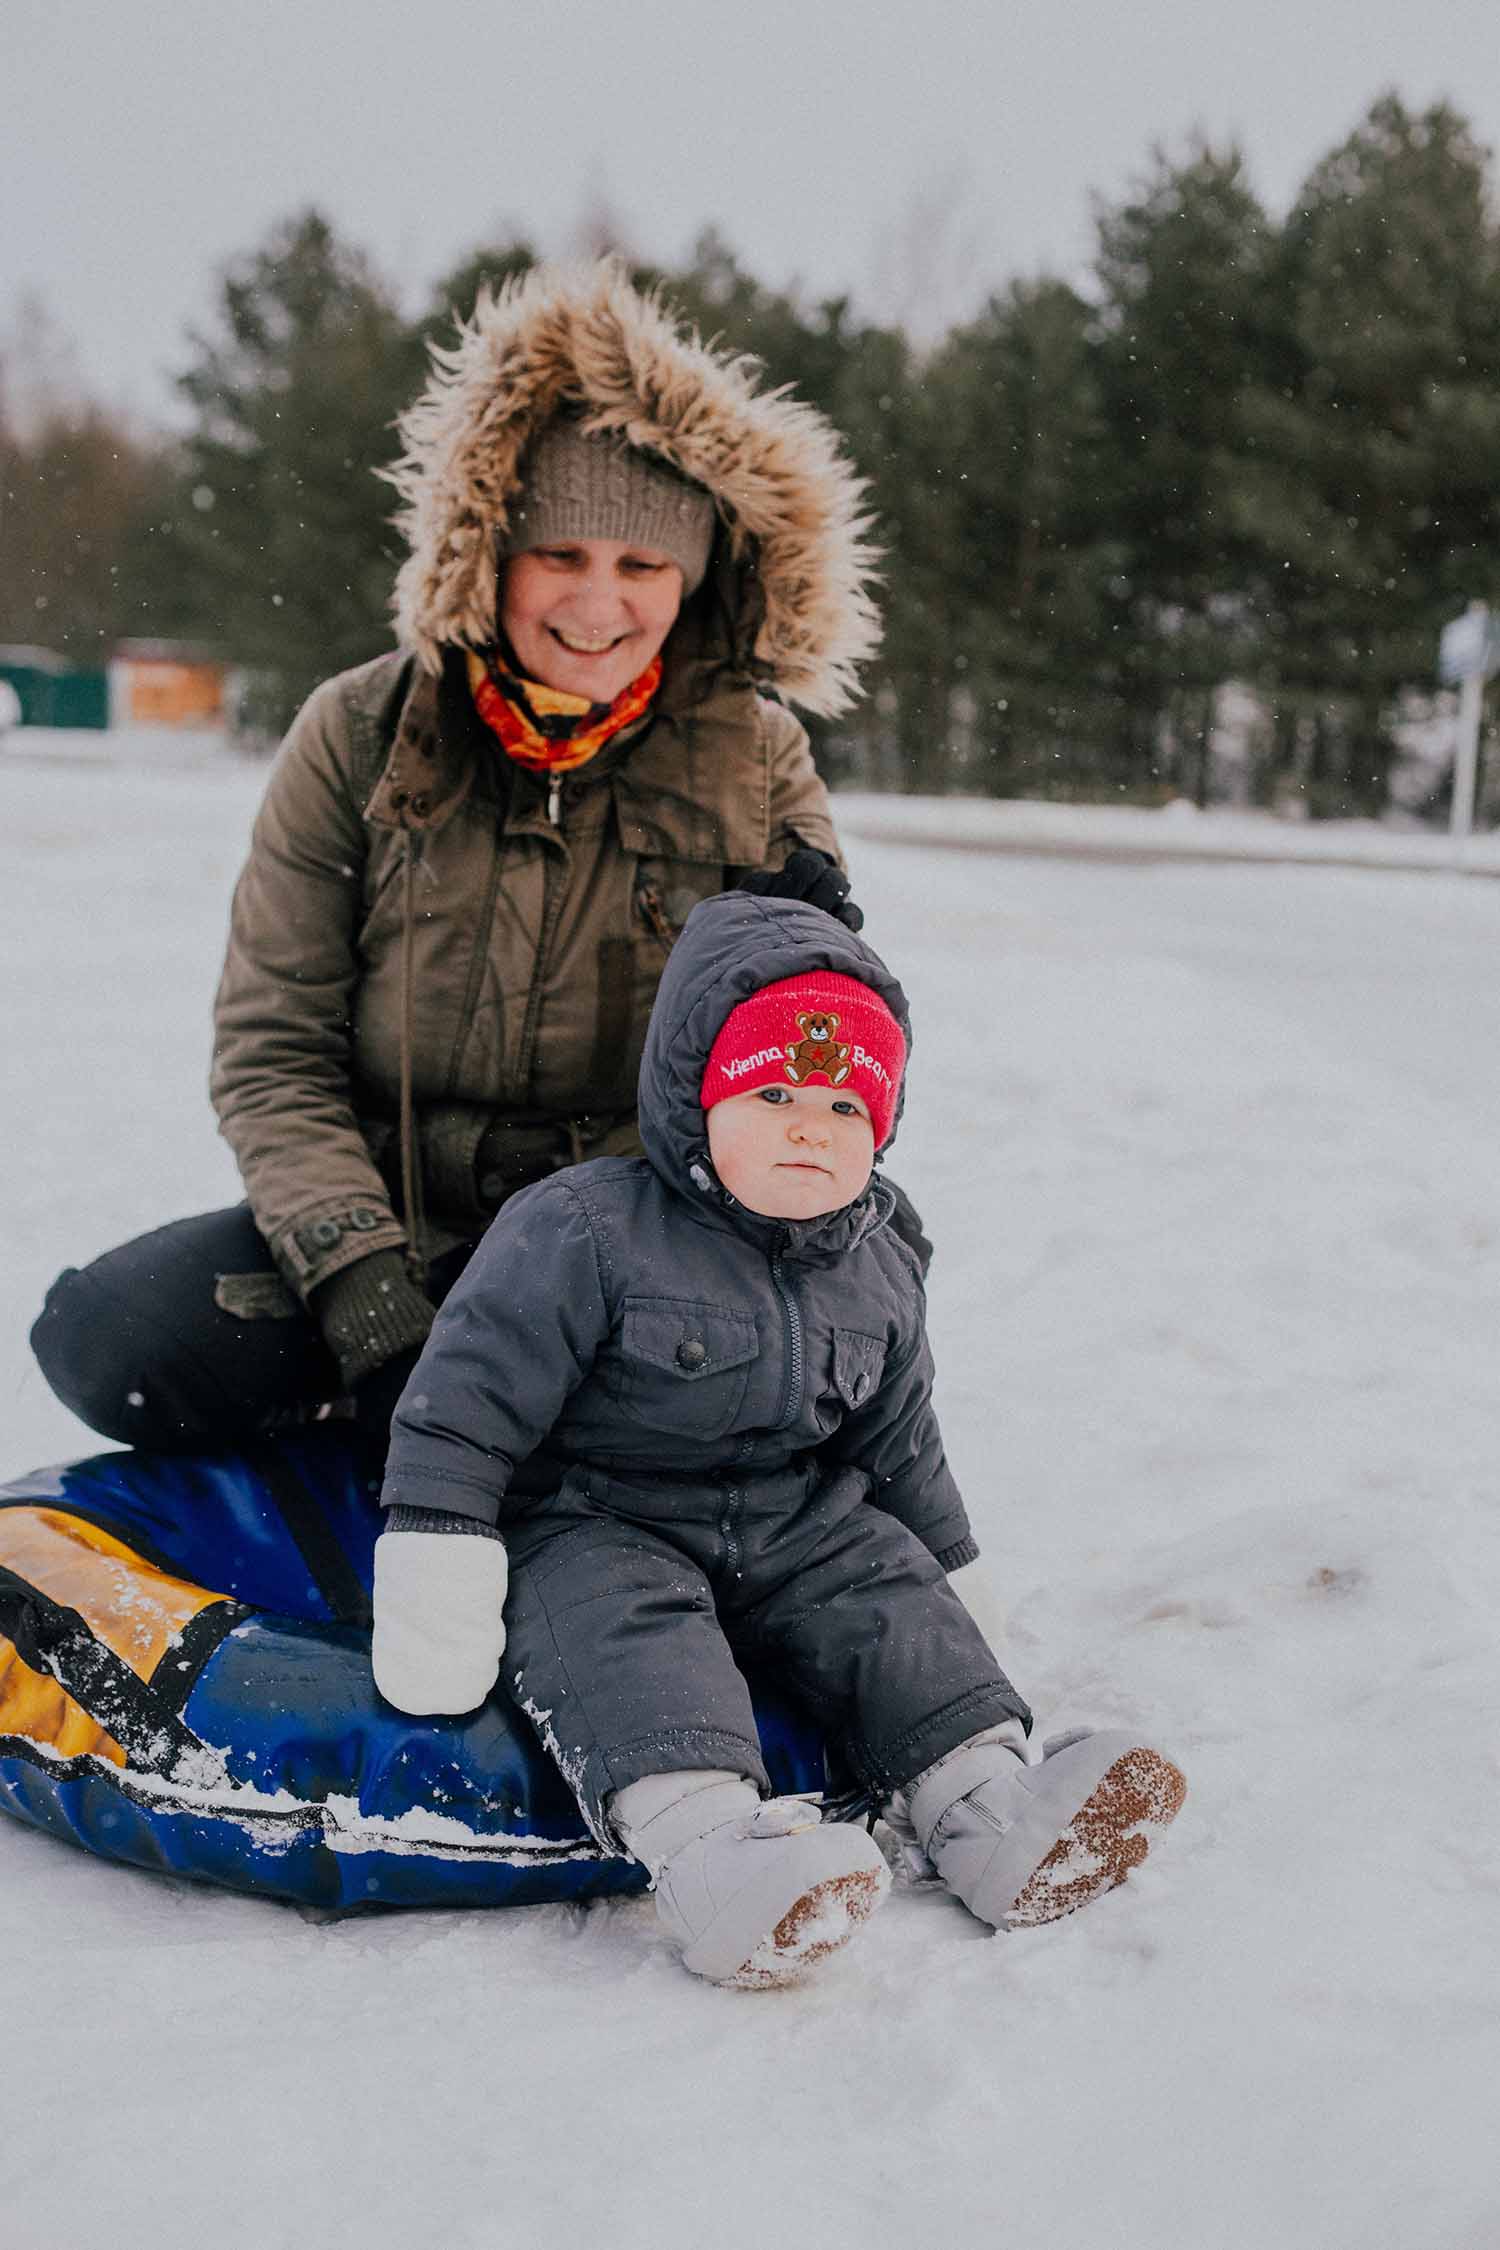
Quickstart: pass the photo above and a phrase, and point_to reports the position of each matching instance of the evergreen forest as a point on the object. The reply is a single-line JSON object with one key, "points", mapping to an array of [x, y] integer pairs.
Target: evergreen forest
{"points": [[1254, 455]]}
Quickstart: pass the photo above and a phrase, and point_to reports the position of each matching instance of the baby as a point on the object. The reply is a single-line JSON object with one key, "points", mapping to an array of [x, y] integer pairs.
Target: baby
{"points": [[676, 1417]]}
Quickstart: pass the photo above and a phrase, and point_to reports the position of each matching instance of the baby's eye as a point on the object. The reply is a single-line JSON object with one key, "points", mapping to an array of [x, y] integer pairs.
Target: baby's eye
{"points": [[774, 1094], [848, 1109]]}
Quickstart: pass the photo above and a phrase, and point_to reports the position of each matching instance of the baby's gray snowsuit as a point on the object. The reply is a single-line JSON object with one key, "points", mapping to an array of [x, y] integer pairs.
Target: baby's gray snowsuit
{"points": [[706, 1435]]}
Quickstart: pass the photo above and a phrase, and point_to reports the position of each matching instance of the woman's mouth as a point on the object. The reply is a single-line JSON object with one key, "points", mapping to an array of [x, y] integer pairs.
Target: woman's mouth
{"points": [[582, 644]]}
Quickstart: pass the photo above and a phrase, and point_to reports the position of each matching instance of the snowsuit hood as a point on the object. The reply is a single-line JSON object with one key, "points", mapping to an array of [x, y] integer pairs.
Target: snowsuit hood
{"points": [[730, 947], [788, 590]]}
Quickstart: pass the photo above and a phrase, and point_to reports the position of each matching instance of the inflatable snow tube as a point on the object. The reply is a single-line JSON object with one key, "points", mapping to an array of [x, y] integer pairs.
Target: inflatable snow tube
{"points": [[185, 1686]]}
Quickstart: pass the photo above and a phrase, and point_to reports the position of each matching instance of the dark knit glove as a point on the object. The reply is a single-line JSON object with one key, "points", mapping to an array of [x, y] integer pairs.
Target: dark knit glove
{"points": [[370, 1314], [376, 1398], [814, 876]]}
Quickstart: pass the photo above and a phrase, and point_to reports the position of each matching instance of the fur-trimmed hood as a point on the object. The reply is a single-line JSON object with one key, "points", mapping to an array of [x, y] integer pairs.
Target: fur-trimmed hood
{"points": [[791, 507]]}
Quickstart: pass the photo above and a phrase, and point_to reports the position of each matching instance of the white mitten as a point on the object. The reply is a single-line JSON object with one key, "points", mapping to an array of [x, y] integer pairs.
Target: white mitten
{"points": [[439, 1622], [971, 1583]]}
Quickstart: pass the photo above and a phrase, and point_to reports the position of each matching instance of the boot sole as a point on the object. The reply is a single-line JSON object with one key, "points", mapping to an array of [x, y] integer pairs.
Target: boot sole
{"points": [[1103, 1840], [820, 1923]]}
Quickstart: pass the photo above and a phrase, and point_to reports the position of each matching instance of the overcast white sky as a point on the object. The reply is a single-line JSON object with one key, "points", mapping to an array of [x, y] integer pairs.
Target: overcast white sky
{"points": [[143, 145]]}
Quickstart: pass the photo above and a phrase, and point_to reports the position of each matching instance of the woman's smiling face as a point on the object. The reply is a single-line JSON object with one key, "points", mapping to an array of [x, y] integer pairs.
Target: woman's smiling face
{"points": [[588, 617]]}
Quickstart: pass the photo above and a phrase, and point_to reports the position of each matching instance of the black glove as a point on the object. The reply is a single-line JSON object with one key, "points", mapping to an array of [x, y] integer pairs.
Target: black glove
{"points": [[814, 876]]}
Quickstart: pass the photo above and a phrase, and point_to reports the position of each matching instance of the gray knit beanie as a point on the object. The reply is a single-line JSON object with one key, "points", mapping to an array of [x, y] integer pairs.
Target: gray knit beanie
{"points": [[577, 486]]}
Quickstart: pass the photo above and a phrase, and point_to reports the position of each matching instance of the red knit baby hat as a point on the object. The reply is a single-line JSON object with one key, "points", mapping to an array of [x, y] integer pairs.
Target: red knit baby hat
{"points": [[819, 1029]]}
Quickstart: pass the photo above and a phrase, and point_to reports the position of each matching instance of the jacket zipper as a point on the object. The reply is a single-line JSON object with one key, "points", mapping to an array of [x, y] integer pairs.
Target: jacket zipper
{"points": [[553, 883], [791, 1321], [650, 901]]}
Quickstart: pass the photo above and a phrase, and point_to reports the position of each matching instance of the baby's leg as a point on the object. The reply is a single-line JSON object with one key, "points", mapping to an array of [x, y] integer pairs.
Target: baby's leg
{"points": [[872, 1632], [863, 1623], [616, 1653]]}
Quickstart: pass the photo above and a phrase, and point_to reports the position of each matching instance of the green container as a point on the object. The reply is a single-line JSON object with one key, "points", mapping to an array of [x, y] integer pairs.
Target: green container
{"points": [[81, 699], [52, 692]]}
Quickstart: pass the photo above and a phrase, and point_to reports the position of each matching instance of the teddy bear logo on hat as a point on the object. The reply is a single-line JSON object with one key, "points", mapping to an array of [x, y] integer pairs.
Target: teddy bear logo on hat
{"points": [[817, 1051]]}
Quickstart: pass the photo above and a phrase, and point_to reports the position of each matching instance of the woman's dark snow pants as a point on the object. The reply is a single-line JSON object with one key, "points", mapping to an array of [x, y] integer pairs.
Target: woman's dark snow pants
{"points": [[140, 1346]]}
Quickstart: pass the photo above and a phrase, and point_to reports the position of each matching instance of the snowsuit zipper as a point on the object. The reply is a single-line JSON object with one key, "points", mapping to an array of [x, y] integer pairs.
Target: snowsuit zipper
{"points": [[734, 1501], [791, 1325]]}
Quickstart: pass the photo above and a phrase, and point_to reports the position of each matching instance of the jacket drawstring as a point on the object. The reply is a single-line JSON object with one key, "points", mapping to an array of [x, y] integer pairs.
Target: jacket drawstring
{"points": [[411, 1170]]}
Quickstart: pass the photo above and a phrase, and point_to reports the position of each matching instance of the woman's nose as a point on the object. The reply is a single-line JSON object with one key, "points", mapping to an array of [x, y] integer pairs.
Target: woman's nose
{"points": [[594, 594]]}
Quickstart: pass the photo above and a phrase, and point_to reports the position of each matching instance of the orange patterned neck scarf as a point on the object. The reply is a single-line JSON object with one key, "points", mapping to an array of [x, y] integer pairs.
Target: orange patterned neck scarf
{"points": [[545, 730]]}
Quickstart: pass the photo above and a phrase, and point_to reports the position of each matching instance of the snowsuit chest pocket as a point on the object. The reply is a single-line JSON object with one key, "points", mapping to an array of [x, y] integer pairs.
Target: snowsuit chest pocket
{"points": [[684, 1365], [858, 1361]]}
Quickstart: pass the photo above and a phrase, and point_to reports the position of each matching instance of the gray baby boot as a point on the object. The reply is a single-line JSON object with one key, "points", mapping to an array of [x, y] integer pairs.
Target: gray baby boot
{"points": [[755, 1894], [1025, 1843]]}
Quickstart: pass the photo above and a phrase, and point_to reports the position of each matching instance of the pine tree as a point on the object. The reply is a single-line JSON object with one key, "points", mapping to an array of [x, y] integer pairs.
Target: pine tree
{"points": [[74, 490], [1015, 412], [1382, 451], [1186, 335], [279, 507]]}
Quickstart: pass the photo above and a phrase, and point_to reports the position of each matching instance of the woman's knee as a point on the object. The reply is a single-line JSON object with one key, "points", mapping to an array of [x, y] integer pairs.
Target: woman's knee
{"points": [[95, 1361], [138, 1347]]}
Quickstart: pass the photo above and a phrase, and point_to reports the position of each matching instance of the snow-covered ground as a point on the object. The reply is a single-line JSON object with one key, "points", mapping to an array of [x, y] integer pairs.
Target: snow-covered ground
{"points": [[1211, 1157], [1176, 831]]}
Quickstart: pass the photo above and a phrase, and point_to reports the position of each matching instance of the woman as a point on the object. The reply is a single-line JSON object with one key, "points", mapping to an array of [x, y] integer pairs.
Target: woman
{"points": [[474, 853]]}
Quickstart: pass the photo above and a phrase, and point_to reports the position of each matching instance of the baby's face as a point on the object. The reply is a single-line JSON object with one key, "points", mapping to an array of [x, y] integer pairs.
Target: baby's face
{"points": [[792, 1152]]}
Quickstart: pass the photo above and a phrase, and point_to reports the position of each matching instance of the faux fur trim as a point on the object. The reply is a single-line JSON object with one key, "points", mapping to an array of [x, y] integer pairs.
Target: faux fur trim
{"points": [[785, 490]]}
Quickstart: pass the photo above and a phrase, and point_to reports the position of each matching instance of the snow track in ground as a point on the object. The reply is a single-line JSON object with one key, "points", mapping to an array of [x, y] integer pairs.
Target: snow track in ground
{"points": [[1210, 1157]]}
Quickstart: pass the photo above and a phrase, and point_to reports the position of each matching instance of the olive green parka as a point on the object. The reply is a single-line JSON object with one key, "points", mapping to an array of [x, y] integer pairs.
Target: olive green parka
{"points": [[441, 965]]}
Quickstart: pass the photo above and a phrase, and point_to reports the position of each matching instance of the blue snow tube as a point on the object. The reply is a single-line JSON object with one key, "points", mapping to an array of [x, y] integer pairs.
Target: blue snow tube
{"points": [[185, 1685]]}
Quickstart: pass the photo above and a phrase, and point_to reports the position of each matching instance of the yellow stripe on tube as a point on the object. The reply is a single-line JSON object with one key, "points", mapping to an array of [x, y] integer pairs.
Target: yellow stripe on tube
{"points": [[34, 1706], [131, 1606]]}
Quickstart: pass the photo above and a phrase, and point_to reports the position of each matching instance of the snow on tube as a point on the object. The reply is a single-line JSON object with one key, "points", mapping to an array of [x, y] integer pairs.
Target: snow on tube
{"points": [[185, 1685]]}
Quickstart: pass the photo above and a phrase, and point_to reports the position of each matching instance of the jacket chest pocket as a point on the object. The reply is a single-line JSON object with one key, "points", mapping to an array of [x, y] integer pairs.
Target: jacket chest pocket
{"points": [[858, 1363], [684, 1365]]}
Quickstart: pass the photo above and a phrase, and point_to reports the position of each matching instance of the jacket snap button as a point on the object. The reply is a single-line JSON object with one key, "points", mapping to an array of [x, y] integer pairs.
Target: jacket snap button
{"points": [[691, 1353], [492, 1186], [325, 1233]]}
